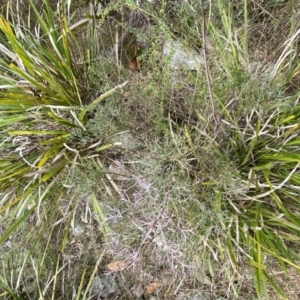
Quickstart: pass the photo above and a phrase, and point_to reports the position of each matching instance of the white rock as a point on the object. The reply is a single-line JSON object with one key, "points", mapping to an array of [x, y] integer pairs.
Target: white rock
{"points": [[78, 230], [181, 57]]}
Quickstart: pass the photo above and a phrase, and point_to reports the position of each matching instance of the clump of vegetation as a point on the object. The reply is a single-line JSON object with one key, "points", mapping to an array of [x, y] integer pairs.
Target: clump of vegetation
{"points": [[123, 177]]}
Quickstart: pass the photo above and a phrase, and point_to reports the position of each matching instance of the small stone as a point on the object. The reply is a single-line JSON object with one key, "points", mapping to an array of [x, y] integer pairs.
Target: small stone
{"points": [[78, 230], [126, 140], [103, 286], [181, 56]]}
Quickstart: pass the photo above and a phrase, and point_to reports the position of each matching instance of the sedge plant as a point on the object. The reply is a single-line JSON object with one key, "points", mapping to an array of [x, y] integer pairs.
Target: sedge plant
{"points": [[262, 142], [44, 102]]}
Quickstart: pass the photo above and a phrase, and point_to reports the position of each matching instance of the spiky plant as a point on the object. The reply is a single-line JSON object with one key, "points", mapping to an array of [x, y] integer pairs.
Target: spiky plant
{"points": [[260, 205], [45, 96]]}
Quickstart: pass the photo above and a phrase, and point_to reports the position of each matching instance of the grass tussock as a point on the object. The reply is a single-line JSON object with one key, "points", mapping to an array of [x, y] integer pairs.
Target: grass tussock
{"points": [[123, 177]]}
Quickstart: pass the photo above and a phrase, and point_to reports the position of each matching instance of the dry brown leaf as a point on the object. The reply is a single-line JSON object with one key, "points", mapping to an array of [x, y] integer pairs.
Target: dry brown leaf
{"points": [[116, 265], [152, 287], [134, 64], [79, 245]]}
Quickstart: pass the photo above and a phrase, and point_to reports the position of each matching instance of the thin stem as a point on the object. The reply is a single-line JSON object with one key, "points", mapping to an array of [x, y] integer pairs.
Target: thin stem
{"points": [[207, 74]]}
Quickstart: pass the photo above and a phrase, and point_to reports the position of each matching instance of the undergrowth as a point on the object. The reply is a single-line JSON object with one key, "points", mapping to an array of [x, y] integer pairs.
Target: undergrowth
{"points": [[122, 177]]}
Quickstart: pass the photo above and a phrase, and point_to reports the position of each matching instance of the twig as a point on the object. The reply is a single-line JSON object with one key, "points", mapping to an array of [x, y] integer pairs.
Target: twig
{"points": [[116, 48], [207, 74], [144, 243], [110, 180]]}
